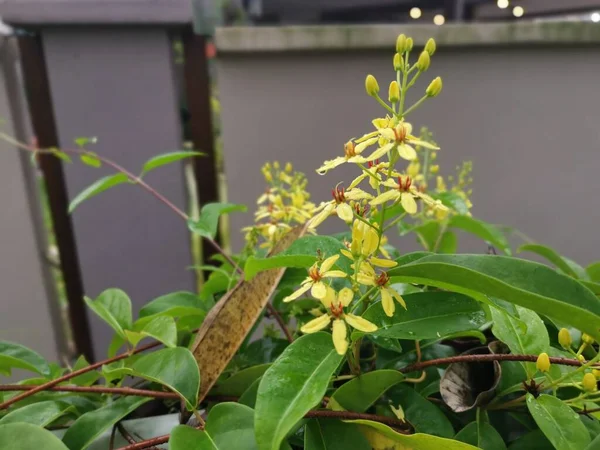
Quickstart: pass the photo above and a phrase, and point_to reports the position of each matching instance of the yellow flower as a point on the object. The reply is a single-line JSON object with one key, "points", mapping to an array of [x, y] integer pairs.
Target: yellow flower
{"points": [[543, 362], [335, 305], [339, 205], [368, 277], [400, 136], [372, 173], [403, 191], [314, 282], [364, 240], [352, 153], [589, 382]]}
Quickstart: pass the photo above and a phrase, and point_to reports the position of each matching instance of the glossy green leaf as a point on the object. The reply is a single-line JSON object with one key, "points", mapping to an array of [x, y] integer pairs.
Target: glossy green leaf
{"points": [[114, 307], [295, 383], [428, 234], [20, 357], [534, 440], [181, 304], [85, 379], [208, 222], [83, 141], [454, 201], [560, 424], [429, 315], [97, 187], [524, 333], [91, 159], [25, 436], [521, 282], [40, 413], [595, 444], [423, 415], [61, 155], [487, 232], [361, 392], [302, 253], [448, 243], [328, 434], [92, 424], [554, 257], [184, 437], [239, 382], [160, 328], [482, 435], [383, 437], [248, 398], [167, 158], [231, 427], [412, 257], [593, 271]]}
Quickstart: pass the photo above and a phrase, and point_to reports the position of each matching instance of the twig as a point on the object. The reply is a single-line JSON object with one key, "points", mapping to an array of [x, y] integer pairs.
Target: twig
{"points": [[111, 442], [128, 437], [94, 390], [148, 443], [275, 314], [484, 358]]}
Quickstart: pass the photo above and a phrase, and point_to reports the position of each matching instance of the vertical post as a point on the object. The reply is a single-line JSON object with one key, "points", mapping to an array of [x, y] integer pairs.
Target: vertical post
{"points": [[35, 78], [198, 94]]}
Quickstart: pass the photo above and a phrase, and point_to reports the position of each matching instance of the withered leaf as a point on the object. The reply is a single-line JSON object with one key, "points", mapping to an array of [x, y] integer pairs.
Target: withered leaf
{"points": [[231, 319]]}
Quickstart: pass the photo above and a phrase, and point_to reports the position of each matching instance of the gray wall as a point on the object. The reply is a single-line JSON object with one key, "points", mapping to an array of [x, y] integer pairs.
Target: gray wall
{"points": [[526, 113]]}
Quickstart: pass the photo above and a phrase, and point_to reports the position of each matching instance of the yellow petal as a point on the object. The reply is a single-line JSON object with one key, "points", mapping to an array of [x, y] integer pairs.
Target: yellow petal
{"points": [[407, 152], [345, 296], [329, 262], [358, 159], [387, 302], [359, 323], [397, 296], [380, 123], [388, 133], [328, 165], [324, 214], [329, 297], [414, 140], [391, 183], [385, 197], [319, 290], [357, 180], [370, 242], [365, 279], [380, 262], [366, 136], [334, 274], [344, 212], [297, 293], [407, 126], [408, 203], [357, 194], [380, 152], [361, 147], [339, 336], [316, 324], [347, 254]]}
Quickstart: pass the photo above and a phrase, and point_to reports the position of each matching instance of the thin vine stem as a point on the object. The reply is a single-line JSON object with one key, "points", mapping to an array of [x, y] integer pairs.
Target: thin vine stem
{"points": [[95, 390]]}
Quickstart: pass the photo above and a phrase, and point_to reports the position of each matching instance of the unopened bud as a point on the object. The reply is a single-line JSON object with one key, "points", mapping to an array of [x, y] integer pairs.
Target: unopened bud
{"points": [[581, 359], [401, 43], [276, 165], [596, 373], [430, 46], [434, 169], [424, 61], [564, 338], [587, 339], [398, 63], [434, 88], [409, 44], [394, 92], [543, 362], [371, 85], [589, 382], [288, 167]]}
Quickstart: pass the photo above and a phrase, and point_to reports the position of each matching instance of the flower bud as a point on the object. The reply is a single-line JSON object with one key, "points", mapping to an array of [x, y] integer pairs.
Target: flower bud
{"points": [[596, 373], [589, 382], [424, 61], [564, 338], [394, 92], [398, 63], [434, 88], [587, 339], [409, 44], [430, 46], [288, 167], [543, 362], [401, 43], [581, 359], [434, 169], [371, 85]]}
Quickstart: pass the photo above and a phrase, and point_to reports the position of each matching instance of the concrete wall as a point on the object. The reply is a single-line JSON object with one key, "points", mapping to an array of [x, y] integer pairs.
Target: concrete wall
{"points": [[521, 101]]}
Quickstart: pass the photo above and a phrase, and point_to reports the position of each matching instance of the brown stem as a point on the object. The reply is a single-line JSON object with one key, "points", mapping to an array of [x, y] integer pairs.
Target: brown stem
{"points": [[273, 312], [94, 390], [484, 358], [148, 443], [128, 437]]}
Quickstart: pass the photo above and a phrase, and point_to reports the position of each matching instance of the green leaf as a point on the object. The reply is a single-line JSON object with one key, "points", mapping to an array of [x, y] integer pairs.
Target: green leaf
{"points": [[534, 440], [114, 307], [482, 435], [91, 159], [328, 434], [184, 437], [295, 383], [524, 333], [448, 243], [593, 271], [429, 315], [488, 232], [428, 234], [85, 379], [61, 155], [595, 444], [424, 416], [302, 253], [25, 436], [248, 398], [238, 383], [361, 392], [560, 424], [40, 413], [92, 424], [174, 368], [411, 257], [161, 328], [231, 427], [176, 304], [83, 141], [97, 187], [552, 255], [518, 281], [208, 222], [167, 158], [20, 357], [383, 437]]}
